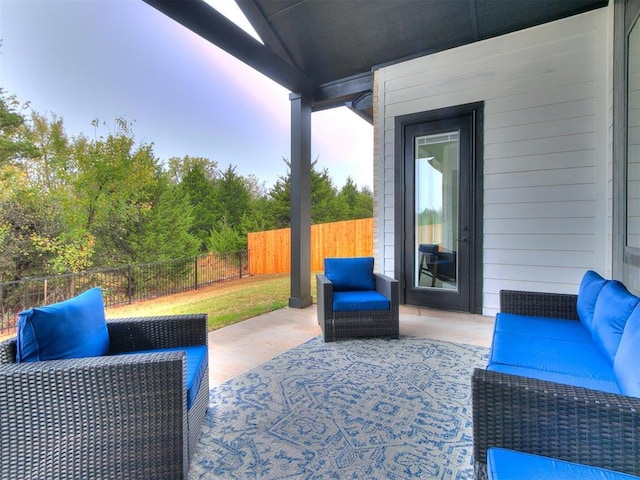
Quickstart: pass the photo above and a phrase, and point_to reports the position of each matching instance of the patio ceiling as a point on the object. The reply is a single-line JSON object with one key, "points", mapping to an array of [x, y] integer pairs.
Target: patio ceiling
{"points": [[326, 50]]}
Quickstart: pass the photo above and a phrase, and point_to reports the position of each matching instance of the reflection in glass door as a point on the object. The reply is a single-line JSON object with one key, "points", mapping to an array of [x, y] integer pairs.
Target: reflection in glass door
{"points": [[436, 211]]}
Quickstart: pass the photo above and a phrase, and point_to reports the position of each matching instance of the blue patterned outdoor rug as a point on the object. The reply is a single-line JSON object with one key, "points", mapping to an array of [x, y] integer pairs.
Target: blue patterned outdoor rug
{"points": [[355, 409]]}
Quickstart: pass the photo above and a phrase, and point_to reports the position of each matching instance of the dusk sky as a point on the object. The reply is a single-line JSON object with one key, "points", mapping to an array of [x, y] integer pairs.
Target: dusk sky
{"points": [[106, 59]]}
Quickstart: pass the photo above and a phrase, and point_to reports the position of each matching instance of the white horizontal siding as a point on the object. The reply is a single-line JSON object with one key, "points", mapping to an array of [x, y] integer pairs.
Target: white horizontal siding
{"points": [[545, 147], [540, 242], [633, 153], [565, 177], [549, 161], [577, 108], [568, 209], [545, 193]]}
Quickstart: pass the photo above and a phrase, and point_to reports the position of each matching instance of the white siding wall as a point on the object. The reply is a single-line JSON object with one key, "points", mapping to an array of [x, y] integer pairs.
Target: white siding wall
{"points": [[546, 148]]}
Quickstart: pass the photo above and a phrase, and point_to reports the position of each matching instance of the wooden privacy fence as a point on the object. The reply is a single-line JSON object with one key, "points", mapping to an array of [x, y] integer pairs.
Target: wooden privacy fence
{"points": [[270, 251]]}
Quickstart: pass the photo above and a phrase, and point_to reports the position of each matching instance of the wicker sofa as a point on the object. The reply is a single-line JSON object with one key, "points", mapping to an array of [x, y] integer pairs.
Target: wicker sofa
{"points": [[121, 415], [577, 417]]}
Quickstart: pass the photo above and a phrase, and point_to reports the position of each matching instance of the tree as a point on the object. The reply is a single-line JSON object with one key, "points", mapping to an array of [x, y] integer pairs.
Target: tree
{"points": [[354, 203], [33, 237], [224, 237], [48, 163], [196, 182], [12, 143], [166, 233], [233, 197], [36, 239], [324, 207], [67, 204], [278, 211], [120, 191], [178, 168], [258, 218], [327, 205]]}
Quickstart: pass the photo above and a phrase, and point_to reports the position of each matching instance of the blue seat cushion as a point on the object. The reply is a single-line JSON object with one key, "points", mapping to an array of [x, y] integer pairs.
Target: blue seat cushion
{"points": [[543, 327], [590, 288], [347, 274], [503, 464], [197, 361], [625, 365], [577, 381], [359, 300], [74, 328], [552, 355], [613, 307]]}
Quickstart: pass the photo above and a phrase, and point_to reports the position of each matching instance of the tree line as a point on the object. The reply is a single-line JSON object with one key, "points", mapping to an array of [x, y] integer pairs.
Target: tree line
{"points": [[69, 204]]}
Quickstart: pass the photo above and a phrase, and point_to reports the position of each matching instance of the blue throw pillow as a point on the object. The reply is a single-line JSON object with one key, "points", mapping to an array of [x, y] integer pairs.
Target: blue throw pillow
{"points": [[625, 365], [74, 328], [350, 273], [590, 288], [613, 307]]}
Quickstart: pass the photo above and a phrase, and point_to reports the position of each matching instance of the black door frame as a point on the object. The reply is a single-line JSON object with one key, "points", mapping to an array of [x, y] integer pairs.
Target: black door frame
{"points": [[476, 110]]}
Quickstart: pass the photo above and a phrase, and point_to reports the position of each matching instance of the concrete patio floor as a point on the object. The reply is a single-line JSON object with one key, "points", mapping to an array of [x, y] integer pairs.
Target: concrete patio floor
{"points": [[240, 347]]}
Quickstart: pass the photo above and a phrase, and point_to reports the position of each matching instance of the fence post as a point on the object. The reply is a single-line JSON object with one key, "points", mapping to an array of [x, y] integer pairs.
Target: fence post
{"points": [[196, 271], [129, 285], [239, 253]]}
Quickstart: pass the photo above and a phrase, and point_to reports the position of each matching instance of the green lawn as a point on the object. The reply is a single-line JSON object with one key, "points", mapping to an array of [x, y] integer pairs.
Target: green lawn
{"points": [[225, 303]]}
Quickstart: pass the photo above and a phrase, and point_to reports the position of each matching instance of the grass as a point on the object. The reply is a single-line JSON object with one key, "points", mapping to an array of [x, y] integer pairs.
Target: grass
{"points": [[225, 303]]}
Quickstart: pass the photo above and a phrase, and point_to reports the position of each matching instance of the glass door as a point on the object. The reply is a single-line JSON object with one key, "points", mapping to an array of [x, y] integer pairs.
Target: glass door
{"points": [[441, 220]]}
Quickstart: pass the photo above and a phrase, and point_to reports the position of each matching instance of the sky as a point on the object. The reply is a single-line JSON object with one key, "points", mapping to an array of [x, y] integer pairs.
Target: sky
{"points": [[82, 60]]}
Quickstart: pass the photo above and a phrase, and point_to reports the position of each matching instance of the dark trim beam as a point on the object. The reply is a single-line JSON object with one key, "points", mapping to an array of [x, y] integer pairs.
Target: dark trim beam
{"points": [[211, 25], [363, 106], [340, 92], [300, 202]]}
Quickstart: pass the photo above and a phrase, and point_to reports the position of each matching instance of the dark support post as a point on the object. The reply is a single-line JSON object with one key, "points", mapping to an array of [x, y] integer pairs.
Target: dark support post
{"points": [[300, 202]]}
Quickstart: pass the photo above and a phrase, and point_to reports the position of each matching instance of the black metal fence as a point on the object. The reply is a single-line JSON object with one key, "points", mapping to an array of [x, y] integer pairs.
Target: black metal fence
{"points": [[122, 285]]}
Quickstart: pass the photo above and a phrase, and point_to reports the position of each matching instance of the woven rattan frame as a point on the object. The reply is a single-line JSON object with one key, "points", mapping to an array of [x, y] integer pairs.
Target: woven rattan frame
{"points": [[551, 419], [111, 417], [363, 323]]}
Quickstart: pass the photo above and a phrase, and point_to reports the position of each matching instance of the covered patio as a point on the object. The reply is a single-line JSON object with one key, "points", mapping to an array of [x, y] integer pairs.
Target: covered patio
{"points": [[548, 203], [393, 63], [240, 347]]}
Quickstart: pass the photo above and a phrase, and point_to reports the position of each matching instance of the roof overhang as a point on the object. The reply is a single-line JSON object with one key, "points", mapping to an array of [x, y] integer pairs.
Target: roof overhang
{"points": [[327, 50]]}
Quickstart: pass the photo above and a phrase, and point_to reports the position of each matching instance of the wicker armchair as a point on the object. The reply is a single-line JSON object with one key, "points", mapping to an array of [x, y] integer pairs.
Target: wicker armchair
{"points": [[358, 322], [560, 421], [111, 417]]}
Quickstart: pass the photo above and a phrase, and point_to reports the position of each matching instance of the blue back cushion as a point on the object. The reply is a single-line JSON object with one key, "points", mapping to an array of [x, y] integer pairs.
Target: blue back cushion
{"points": [[613, 307], [625, 365], [350, 273], [590, 288], [74, 328]]}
